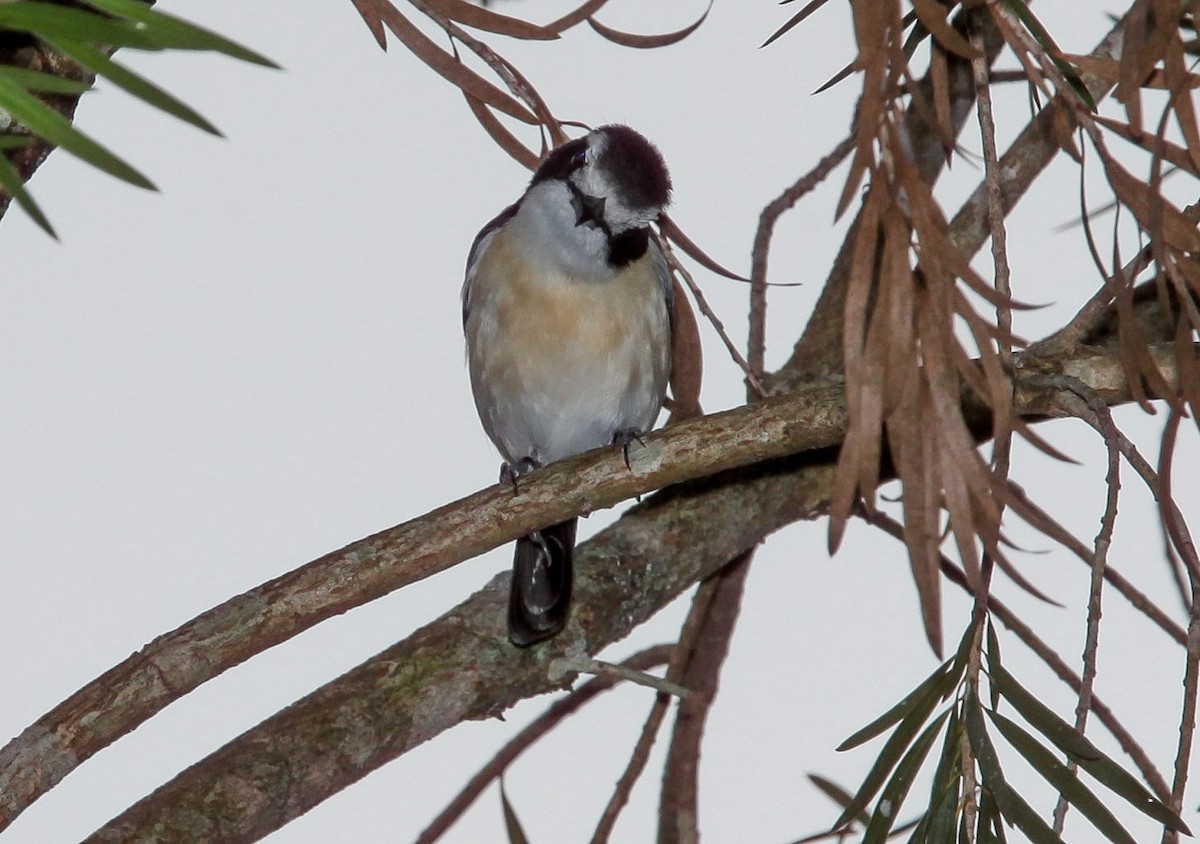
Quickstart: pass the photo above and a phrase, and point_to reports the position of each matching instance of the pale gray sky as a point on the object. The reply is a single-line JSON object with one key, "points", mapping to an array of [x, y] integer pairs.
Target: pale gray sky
{"points": [[203, 389]]}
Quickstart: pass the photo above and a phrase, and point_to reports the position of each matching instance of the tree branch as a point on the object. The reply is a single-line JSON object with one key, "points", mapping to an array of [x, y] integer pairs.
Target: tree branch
{"points": [[227, 635], [461, 667], [678, 816]]}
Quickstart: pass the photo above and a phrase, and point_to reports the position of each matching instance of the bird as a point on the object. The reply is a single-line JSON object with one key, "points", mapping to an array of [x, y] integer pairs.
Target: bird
{"points": [[567, 312]]}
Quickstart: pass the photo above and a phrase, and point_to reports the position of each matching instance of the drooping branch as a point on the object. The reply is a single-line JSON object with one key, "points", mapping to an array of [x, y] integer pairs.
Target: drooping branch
{"points": [[460, 667]]}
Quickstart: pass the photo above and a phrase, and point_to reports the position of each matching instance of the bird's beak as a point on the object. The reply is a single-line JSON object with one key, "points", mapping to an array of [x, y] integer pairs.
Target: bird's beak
{"points": [[589, 210]]}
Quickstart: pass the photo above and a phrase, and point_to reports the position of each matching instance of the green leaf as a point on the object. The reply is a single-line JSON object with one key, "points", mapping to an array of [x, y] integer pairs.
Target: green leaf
{"points": [[49, 21], [10, 179], [1086, 754], [941, 681], [991, 825], [993, 655], [939, 820], [1015, 810], [42, 120], [170, 31], [896, 745], [142, 88], [964, 650], [932, 688], [1011, 805], [938, 824], [949, 769], [892, 798], [512, 825], [1063, 779], [838, 795], [1043, 37], [1043, 719], [33, 80]]}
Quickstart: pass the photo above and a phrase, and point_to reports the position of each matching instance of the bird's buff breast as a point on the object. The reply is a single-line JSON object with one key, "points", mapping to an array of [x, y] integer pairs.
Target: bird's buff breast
{"points": [[560, 363]]}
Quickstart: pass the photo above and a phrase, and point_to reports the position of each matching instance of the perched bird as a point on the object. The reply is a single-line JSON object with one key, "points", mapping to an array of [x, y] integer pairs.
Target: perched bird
{"points": [[567, 311]]}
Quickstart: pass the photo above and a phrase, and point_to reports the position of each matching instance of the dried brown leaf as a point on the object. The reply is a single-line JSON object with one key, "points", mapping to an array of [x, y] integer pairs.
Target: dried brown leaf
{"points": [[1131, 72], [923, 509], [892, 327], [670, 230], [1180, 83], [647, 42], [577, 15], [795, 19], [1109, 70], [838, 77], [846, 482], [845, 488], [687, 359], [372, 19], [1135, 354], [480, 17], [1177, 230], [1187, 366], [1173, 154], [933, 15], [874, 33], [505, 139], [943, 119], [445, 64]]}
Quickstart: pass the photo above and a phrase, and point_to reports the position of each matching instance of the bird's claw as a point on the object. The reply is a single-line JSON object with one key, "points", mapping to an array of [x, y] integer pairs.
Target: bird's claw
{"points": [[623, 438], [510, 472]]}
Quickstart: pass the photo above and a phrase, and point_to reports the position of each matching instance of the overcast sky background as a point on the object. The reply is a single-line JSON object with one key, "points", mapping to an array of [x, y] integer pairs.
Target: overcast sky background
{"points": [[203, 389]]}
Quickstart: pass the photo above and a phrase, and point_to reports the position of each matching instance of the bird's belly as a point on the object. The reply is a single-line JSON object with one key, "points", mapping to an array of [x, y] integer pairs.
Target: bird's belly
{"points": [[558, 369]]}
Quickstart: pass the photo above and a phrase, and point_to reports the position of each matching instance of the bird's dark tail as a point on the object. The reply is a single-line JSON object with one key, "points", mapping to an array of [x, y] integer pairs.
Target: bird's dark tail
{"points": [[541, 583]]}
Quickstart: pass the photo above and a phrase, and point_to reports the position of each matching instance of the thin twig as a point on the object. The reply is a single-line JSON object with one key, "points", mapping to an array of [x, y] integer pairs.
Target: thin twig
{"points": [[1191, 675], [1103, 713], [756, 344], [678, 806], [1104, 423], [513, 79], [633, 769], [544, 723], [681, 655], [1072, 388], [1002, 449], [711, 316], [1137, 599], [1002, 446], [1093, 313], [632, 675]]}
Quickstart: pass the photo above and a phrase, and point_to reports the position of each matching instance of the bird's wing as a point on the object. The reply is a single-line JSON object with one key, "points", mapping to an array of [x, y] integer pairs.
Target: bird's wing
{"points": [[478, 247]]}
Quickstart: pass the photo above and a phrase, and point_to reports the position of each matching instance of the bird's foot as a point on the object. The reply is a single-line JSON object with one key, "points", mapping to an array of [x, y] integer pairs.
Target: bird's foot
{"points": [[624, 438], [510, 472]]}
